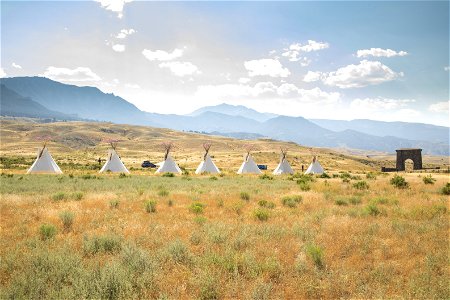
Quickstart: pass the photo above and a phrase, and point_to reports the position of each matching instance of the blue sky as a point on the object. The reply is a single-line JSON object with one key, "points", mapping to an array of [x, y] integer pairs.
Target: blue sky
{"points": [[338, 60]]}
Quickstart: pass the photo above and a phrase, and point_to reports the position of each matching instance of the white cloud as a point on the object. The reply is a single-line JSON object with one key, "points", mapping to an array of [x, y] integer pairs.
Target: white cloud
{"points": [[124, 33], [363, 74], [79, 74], [439, 107], [447, 68], [379, 104], [118, 47], [16, 66], [161, 55], [132, 86], [378, 52], [266, 67], [294, 51], [266, 90], [244, 80], [180, 68], [114, 6], [2, 73], [312, 76]]}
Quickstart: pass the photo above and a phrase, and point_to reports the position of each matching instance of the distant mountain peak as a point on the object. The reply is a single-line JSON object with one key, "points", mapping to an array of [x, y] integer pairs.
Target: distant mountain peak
{"points": [[235, 110]]}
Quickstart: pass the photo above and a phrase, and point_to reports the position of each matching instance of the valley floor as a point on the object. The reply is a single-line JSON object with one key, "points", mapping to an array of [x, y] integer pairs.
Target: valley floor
{"points": [[296, 237]]}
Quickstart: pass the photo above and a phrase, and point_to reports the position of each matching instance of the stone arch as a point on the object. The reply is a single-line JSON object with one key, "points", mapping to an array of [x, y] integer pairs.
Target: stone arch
{"points": [[414, 154]]}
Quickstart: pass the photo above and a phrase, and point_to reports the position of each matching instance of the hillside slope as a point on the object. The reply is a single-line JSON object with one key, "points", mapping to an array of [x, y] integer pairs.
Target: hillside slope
{"points": [[85, 102], [13, 104], [81, 142]]}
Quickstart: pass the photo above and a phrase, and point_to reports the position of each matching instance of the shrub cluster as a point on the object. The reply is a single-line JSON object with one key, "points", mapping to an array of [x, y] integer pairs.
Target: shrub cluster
{"points": [[291, 201], [399, 182]]}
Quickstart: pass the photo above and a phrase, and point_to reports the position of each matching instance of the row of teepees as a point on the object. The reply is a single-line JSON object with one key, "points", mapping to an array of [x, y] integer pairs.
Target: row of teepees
{"points": [[45, 164]]}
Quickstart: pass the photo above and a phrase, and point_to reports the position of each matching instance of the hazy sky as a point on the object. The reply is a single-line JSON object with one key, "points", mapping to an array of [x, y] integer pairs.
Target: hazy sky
{"points": [[338, 60]]}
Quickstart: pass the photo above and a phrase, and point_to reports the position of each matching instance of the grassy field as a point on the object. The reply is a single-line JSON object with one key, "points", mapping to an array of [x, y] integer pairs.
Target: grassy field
{"points": [[357, 234]]}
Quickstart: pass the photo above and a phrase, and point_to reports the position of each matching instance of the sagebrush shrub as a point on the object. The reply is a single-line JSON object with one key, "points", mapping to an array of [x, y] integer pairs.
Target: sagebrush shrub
{"points": [[114, 203], [429, 180], [372, 210], [150, 206], [59, 196], [163, 193], [399, 182], [67, 219], [315, 252], [341, 202], [291, 201], [361, 185], [446, 189], [245, 196], [47, 231], [77, 196], [168, 174], [266, 177], [102, 244], [197, 208], [261, 214], [179, 252]]}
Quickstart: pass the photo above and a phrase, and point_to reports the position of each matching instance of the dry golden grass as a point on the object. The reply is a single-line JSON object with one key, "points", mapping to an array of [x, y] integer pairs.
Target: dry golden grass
{"points": [[401, 252], [337, 242]]}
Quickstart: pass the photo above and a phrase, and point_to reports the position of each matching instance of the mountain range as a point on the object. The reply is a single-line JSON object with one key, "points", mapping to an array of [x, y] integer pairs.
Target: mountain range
{"points": [[41, 97]]}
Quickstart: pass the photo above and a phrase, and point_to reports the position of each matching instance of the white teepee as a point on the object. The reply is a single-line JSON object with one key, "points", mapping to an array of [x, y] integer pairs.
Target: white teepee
{"points": [[168, 165], [249, 166], [113, 163], [283, 167], [314, 167], [207, 165], [44, 163]]}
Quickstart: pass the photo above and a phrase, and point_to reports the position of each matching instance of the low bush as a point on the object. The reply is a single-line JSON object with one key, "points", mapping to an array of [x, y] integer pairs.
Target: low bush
{"points": [[341, 202], [399, 182], [123, 175], [371, 176], [372, 209], [446, 189], [197, 208], [261, 214], [213, 178], [324, 175], [60, 196], [354, 200], [114, 203], [245, 196], [179, 252], [304, 186], [429, 180], [361, 185], [102, 244], [163, 193], [315, 252], [169, 174], [266, 177], [237, 207], [47, 231], [291, 201], [200, 220], [77, 196], [266, 204], [67, 219], [150, 206]]}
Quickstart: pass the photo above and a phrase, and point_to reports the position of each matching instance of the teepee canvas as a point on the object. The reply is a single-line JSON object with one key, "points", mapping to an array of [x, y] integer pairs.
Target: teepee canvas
{"points": [[283, 167], [314, 167], [249, 166], [113, 163], [44, 163], [207, 165], [168, 165]]}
